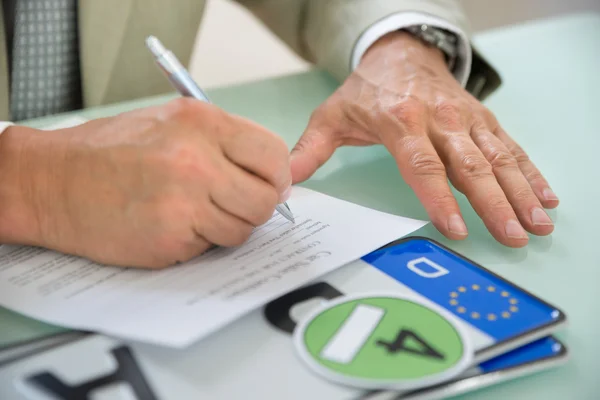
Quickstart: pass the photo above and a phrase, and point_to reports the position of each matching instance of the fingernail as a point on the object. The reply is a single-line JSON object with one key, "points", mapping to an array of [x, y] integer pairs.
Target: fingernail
{"points": [[457, 225], [286, 194], [539, 217], [514, 230], [549, 194]]}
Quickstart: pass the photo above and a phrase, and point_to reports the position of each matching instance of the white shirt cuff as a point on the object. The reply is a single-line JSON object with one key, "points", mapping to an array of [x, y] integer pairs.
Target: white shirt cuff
{"points": [[4, 125], [401, 20]]}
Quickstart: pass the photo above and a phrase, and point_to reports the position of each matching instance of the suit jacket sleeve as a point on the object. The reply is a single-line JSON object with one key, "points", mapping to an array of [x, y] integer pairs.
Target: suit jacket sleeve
{"points": [[325, 32]]}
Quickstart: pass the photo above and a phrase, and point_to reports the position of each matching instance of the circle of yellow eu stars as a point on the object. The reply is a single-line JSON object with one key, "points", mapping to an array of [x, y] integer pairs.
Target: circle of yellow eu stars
{"points": [[511, 303]]}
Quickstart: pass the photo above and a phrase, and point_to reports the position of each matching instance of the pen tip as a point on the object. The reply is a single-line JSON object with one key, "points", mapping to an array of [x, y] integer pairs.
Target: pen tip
{"points": [[286, 212], [155, 45]]}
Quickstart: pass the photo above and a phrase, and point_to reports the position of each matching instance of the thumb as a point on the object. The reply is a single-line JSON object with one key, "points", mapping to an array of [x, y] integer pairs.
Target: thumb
{"points": [[313, 149]]}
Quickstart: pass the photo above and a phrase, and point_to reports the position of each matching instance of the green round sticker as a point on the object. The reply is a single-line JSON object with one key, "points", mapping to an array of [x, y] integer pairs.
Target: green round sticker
{"points": [[383, 341]]}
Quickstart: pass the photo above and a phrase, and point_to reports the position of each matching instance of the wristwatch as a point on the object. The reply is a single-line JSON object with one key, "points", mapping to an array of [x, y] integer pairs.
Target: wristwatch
{"points": [[440, 38]]}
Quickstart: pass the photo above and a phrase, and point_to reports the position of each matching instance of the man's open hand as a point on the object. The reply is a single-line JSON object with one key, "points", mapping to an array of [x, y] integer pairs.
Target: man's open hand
{"points": [[403, 96]]}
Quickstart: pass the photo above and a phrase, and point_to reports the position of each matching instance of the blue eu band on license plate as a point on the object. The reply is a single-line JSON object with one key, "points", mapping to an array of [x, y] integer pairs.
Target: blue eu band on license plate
{"points": [[485, 301], [539, 350], [539, 355]]}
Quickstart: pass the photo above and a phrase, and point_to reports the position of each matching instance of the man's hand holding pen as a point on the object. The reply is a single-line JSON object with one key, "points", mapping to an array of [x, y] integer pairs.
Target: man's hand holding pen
{"points": [[155, 186]]}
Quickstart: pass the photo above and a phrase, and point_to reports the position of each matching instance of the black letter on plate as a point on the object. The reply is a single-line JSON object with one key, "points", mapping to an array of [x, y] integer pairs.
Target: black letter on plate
{"points": [[127, 371], [277, 312]]}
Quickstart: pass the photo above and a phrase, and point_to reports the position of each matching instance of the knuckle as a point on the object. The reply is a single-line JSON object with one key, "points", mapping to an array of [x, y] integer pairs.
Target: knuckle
{"points": [[520, 156], [262, 207], [523, 194], [479, 128], [475, 167], [488, 117], [442, 200], [500, 159], [310, 140], [170, 251], [190, 249], [239, 234], [451, 112], [409, 110], [424, 164], [184, 163], [448, 107], [166, 210], [301, 145], [175, 241], [535, 177], [267, 206], [497, 203]]}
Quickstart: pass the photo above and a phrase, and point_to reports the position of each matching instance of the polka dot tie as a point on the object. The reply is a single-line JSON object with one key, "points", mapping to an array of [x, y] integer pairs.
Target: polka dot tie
{"points": [[45, 63]]}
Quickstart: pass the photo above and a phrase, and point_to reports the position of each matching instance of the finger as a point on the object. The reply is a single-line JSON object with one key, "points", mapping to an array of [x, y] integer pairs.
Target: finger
{"points": [[182, 252], [425, 173], [403, 134], [472, 174], [221, 228], [516, 187], [316, 145], [260, 152], [538, 183], [245, 195], [170, 249]]}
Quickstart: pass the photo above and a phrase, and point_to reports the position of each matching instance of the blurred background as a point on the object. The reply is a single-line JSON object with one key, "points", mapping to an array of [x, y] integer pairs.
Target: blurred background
{"points": [[229, 33]]}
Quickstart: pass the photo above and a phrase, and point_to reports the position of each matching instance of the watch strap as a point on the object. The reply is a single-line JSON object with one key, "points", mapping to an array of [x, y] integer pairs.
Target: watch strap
{"points": [[442, 39], [483, 78]]}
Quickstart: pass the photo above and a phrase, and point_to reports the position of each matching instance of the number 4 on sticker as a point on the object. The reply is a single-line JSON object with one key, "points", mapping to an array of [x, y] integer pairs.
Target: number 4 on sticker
{"points": [[377, 341], [404, 338], [360, 325]]}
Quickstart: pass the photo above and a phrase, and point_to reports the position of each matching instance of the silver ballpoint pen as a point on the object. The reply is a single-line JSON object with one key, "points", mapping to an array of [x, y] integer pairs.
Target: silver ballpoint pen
{"points": [[186, 86]]}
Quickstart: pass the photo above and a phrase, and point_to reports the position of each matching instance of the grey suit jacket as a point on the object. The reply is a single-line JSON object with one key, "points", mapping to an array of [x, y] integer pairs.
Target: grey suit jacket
{"points": [[116, 66]]}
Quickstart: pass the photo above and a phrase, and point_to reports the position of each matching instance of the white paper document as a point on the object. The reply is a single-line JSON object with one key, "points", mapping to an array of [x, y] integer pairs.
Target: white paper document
{"points": [[179, 305]]}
